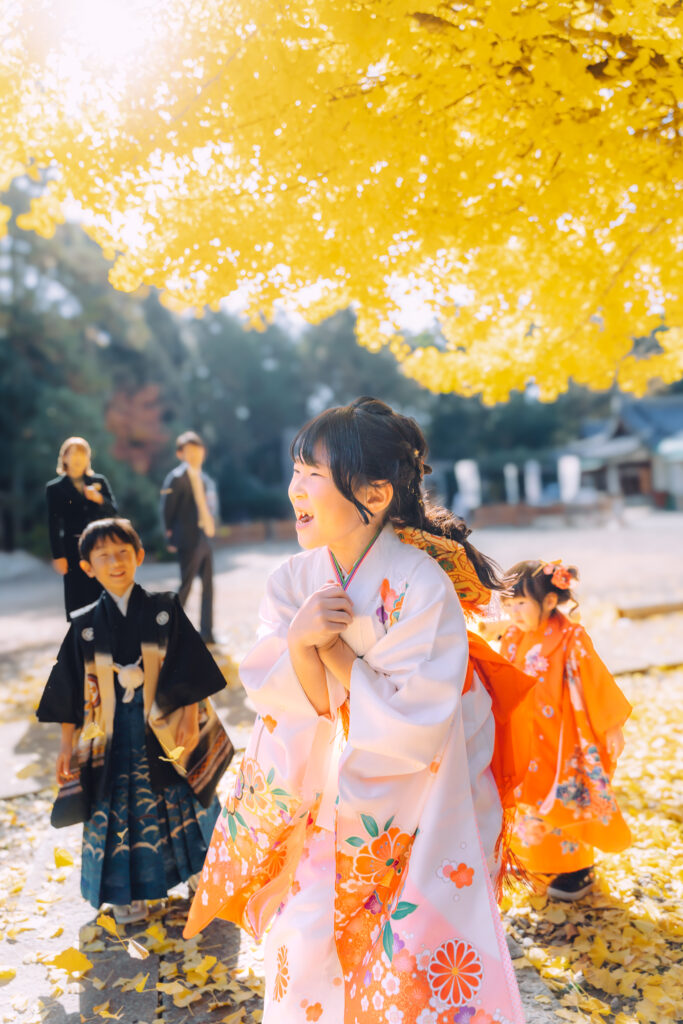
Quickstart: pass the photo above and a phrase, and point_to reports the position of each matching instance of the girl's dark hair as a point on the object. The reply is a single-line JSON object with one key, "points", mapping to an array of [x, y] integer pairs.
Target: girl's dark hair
{"points": [[107, 529], [367, 441], [528, 579]]}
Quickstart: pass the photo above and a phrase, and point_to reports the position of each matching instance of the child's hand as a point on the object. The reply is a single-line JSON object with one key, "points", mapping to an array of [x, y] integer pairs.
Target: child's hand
{"points": [[322, 617], [60, 565], [92, 493], [188, 728], [62, 770], [614, 742]]}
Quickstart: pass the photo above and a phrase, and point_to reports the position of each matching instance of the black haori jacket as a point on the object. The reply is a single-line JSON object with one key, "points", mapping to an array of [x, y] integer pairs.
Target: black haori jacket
{"points": [[178, 670]]}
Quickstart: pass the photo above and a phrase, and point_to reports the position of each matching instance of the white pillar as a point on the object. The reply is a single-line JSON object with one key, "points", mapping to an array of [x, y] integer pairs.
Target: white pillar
{"points": [[569, 477], [532, 482], [511, 478], [469, 483]]}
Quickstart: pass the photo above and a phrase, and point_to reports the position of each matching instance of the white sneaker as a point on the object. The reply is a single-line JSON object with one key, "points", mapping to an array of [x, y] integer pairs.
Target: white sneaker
{"points": [[129, 913]]}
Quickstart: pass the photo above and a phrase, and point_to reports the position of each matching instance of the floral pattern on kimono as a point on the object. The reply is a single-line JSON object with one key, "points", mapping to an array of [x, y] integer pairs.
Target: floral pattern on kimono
{"points": [[369, 817], [389, 609], [569, 805]]}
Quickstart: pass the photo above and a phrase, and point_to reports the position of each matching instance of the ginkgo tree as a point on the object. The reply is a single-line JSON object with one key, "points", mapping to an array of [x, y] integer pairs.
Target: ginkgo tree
{"points": [[514, 167]]}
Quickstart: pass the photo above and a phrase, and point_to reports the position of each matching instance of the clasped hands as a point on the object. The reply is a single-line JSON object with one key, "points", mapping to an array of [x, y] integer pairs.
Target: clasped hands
{"points": [[317, 627]]}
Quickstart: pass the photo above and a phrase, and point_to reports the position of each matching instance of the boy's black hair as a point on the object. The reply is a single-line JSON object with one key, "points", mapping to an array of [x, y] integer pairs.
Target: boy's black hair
{"points": [[527, 579], [107, 529], [368, 441]]}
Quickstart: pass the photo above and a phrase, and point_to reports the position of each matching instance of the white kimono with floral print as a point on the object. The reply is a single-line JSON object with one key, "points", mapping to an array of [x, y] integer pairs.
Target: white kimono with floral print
{"points": [[369, 855]]}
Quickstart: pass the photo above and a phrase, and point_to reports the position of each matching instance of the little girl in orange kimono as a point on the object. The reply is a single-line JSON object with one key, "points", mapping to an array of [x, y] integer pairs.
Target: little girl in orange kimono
{"points": [[566, 800]]}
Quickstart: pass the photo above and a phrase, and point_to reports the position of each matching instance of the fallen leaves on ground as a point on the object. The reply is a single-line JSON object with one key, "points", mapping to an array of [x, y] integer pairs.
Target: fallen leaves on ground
{"points": [[616, 957]]}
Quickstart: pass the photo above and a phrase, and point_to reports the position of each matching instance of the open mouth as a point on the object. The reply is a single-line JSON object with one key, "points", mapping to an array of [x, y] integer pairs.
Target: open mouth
{"points": [[302, 518]]}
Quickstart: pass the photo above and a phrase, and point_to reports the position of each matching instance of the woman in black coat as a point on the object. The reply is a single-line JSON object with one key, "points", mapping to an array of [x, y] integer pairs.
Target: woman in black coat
{"points": [[74, 499]]}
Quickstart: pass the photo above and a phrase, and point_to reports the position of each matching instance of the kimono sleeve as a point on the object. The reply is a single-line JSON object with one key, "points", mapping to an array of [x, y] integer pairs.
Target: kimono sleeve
{"points": [[297, 741], [189, 672], [606, 706], [62, 699], [407, 688]]}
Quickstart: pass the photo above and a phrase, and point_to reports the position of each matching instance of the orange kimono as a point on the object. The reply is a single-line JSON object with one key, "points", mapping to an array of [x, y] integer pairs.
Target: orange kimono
{"points": [[566, 798]]}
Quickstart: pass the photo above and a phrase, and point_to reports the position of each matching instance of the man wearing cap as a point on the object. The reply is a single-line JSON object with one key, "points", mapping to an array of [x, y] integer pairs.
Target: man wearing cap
{"points": [[189, 507]]}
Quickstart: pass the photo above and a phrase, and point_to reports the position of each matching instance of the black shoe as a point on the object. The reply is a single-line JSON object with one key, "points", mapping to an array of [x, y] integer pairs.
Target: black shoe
{"points": [[572, 885]]}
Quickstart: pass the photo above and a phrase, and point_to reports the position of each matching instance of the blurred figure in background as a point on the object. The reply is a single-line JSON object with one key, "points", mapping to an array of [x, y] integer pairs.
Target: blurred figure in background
{"points": [[76, 497], [189, 509]]}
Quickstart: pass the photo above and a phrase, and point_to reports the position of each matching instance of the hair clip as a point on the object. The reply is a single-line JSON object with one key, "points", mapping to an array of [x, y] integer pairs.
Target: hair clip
{"points": [[560, 576]]}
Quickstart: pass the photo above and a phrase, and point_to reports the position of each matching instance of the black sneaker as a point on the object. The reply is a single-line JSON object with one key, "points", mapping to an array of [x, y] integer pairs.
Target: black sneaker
{"points": [[572, 885]]}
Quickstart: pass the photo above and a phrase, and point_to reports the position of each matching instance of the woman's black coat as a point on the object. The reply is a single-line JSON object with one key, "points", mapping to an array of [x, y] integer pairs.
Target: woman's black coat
{"points": [[69, 512]]}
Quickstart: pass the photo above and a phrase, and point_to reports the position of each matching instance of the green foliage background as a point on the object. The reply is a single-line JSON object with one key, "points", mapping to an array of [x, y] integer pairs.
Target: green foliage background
{"points": [[71, 347]]}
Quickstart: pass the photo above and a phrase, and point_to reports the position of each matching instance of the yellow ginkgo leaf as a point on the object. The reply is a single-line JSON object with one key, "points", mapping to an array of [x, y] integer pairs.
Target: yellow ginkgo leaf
{"points": [[63, 859], [234, 1018], [91, 732], [129, 984], [72, 961], [171, 988], [7, 974], [103, 1011], [108, 923]]}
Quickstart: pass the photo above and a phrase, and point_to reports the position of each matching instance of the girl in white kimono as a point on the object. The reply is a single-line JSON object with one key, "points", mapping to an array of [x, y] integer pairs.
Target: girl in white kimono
{"points": [[365, 817]]}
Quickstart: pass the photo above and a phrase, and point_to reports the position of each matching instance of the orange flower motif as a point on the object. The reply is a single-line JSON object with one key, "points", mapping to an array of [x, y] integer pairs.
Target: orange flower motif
{"points": [[455, 972], [381, 860], [314, 1012], [282, 976], [482, 1017], [251, 786], [275, 862], [462, 876], [269, 722]]}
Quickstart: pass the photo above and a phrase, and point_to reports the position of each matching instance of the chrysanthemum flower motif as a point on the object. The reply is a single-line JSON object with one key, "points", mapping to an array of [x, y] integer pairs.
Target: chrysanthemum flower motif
{"points": [[282, 975], [275, 862], [455, 972], [252, 786]]}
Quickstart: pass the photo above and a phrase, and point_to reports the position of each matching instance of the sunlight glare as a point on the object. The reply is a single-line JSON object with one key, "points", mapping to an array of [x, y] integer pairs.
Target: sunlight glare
{"points": [[105, 32]]}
